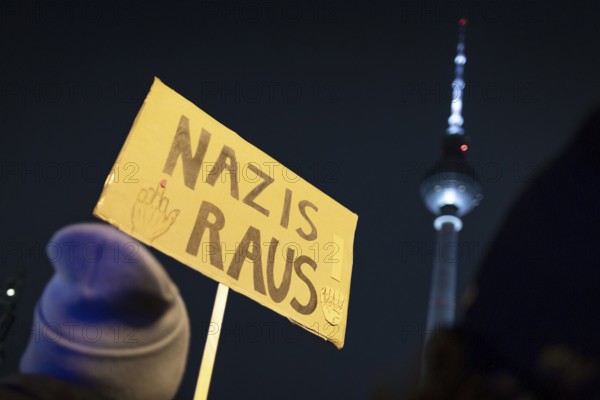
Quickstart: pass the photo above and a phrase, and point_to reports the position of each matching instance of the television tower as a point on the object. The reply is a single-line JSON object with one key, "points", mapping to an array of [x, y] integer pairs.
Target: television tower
{"points": [[450, 190]]}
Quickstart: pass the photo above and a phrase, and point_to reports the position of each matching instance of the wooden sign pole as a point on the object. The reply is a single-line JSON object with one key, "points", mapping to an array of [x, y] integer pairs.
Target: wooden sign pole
{"points": [[212, 341]]}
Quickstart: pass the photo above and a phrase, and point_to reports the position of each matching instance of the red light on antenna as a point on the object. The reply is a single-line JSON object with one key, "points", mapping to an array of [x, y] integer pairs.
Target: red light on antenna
{"points": [[462, 21], [464, 147]]}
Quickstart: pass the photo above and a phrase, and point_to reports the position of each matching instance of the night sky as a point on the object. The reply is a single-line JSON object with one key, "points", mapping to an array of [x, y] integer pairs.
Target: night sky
{"points": [[354, 96]]}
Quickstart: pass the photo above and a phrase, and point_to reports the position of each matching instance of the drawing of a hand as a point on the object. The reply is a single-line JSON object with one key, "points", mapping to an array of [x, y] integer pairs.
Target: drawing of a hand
{"points": [[332, 303], [149, 213]]}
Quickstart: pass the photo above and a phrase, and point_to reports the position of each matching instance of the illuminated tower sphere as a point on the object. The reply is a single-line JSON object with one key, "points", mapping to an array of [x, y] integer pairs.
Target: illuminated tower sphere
{"points": [[450, 190]]}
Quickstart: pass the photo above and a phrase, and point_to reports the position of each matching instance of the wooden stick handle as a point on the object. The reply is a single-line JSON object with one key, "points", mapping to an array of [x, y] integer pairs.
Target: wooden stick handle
{"points": [[212, 341]]}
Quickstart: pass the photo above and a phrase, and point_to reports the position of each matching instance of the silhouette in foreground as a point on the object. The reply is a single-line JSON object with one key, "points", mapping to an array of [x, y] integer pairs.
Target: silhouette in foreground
{"points": [[530, 328]]}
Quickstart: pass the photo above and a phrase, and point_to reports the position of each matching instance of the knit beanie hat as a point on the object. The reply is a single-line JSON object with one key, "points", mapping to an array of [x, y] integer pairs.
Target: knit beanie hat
{"points": [[110, 319]]}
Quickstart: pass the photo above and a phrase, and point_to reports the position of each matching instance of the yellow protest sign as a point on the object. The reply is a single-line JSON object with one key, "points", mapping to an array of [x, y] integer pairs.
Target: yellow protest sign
{"points": [[196, 191]]}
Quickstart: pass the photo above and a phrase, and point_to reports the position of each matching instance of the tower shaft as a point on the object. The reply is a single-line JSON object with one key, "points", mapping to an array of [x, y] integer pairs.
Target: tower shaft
{"points": [[442, 296], [443, 281]]}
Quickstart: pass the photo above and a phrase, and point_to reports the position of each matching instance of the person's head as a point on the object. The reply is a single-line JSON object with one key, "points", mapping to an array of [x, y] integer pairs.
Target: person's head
{"points": [[110, 319]]}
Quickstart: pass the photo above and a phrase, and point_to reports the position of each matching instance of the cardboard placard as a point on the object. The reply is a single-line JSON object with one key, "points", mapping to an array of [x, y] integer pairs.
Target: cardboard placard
{"points": [[196, 191]]}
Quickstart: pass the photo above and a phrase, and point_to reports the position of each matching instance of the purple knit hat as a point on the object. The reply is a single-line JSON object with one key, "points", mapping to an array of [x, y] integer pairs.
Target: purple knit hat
{"points": [[110, 319]]}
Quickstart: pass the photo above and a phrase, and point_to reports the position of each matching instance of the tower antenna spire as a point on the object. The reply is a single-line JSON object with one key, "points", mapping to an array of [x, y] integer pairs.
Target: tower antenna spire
{"points": [[455, 121]]}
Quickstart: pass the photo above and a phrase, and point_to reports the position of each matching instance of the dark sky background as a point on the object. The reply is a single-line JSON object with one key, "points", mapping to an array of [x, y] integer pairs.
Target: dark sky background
{"points": [[352, 95]]}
